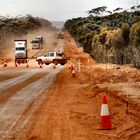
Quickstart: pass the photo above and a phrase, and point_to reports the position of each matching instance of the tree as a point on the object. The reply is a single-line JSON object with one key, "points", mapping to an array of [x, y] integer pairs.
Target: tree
{"points": [[117, 9], [109, 12], [125, 32], [136, 35], [97, 11]]}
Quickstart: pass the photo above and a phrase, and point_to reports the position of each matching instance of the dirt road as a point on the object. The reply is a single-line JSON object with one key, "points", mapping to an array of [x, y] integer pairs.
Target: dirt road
{"points": [[70, 108], [21, 94]]}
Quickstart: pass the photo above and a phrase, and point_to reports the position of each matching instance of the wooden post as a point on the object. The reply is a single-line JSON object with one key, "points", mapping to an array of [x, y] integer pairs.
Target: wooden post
{"points": [[78, 65]]}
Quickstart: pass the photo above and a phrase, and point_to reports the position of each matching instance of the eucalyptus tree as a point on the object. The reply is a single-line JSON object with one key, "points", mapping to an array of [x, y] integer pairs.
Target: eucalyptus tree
{"points": [[97, 11], [138, 6], [109, 12], [118, 9]]}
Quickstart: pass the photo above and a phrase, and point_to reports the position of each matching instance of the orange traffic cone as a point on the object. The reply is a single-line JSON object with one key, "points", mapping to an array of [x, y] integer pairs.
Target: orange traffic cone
{"points": [[105, 116], [73, 72], [40, 66], [54, 66], [70, 66], [16, 65], [5, 63], [27, 65]]}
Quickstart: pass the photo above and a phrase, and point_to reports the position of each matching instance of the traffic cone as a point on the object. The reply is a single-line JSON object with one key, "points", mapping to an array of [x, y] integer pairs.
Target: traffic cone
{"points": [[27, 66], [54, 66], [70, 66], [16, 65], [73, 72], [5, 63], [105, 116], [40, 66]]}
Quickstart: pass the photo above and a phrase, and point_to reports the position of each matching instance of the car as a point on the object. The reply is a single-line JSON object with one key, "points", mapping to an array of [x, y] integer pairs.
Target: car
{"points": [[52, 57]]}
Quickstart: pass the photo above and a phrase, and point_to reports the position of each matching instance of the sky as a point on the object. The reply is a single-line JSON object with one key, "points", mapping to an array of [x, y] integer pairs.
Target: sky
{"points": [[58, 10]]}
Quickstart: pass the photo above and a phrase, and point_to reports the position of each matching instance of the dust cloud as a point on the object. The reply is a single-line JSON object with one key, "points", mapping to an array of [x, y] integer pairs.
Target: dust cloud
{"points": [[7, 48]]}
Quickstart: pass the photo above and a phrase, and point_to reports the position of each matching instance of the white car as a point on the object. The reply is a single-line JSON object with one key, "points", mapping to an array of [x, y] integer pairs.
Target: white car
{"points": [[52, 57]]}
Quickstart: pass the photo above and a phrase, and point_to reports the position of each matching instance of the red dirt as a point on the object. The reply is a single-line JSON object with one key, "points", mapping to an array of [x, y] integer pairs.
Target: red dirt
{"points": [[71, 108]]}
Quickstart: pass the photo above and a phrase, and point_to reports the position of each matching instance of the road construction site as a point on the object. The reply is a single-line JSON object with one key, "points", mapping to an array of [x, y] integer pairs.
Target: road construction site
{"points": [[53, 104]]}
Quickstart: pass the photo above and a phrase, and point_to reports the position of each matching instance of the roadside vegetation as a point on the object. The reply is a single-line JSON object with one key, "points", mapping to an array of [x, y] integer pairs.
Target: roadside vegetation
{"points": [[109, 37], [21, 25]]}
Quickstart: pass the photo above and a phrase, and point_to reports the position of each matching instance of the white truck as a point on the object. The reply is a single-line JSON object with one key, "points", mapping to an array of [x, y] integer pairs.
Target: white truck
{"points": [[37, 43], [52, 57], [21, 51], [60, 35]]}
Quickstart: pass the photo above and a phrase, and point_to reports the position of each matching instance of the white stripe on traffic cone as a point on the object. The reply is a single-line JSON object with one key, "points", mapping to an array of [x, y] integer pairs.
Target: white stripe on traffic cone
{"points": [[73, 72]]}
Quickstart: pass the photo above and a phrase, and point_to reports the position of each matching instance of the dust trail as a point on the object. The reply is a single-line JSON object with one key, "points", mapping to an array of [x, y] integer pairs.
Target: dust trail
{"points": [[7, 42]]}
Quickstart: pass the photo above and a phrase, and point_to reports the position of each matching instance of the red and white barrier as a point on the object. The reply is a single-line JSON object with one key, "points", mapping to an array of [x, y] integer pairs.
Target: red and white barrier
{"points": [[105, 115]]}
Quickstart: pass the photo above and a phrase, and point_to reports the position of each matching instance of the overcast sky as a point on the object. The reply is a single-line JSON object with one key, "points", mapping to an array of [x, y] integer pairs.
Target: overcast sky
{"points": [[58, 9]]}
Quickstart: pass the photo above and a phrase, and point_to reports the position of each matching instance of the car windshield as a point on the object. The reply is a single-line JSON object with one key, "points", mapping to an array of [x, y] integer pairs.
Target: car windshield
{"points": [[46, 55], [51, 54], [20, 49]]}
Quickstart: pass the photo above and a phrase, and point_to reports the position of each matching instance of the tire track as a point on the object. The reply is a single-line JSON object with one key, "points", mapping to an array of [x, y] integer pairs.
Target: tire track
{"points": [[13, 110], [24, 75], [11, 82], [7, 93], [7, 77]]}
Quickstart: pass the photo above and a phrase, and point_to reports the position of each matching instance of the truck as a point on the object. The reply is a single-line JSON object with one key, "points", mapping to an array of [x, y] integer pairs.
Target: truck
{"points": [[21, 51], [37, 43], [52, 57], [60, 35]]}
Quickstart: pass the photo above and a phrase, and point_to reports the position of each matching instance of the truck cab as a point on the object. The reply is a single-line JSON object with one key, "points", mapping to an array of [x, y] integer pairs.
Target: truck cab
{"points": [[20, 50], [37, 43]]}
